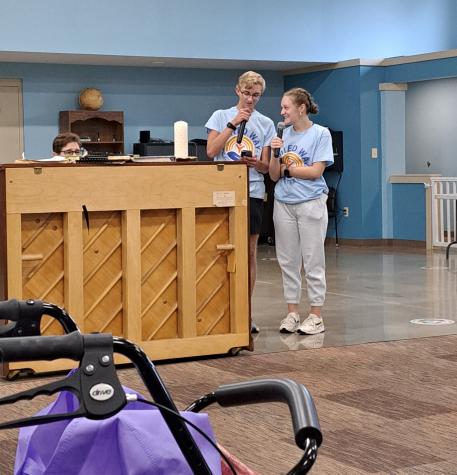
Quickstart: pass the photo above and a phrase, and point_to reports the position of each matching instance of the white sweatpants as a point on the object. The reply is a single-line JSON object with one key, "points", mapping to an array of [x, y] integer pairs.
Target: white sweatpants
{"points": [[300, 231]]}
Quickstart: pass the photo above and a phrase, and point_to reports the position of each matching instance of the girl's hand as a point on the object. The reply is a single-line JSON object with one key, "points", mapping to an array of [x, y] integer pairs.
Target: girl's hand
{"points": [[277, 143]]}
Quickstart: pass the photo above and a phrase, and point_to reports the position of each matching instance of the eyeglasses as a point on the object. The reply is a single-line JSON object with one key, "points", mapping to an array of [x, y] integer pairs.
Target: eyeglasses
{"points": [[69, 153], [247, 95]]}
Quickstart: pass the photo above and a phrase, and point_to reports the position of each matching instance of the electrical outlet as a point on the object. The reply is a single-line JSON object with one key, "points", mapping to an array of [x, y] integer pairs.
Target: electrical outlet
{"points": [[374, 152], [345, 211]]}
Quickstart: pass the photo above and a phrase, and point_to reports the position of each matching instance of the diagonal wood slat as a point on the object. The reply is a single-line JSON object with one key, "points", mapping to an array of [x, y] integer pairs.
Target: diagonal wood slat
{"points": [[46, 258], [162, 323], [209, 297], [39, 229], [103, 261], [103, 293], [44, 233], [46, 292], [208, 268], [212, 280], [110, 319], [152, 238], [99, 231], [159, 293], [42, 236], [103, 273], [159, 272], [157, 264], [209, 235], [165, 223], [217, 320]]}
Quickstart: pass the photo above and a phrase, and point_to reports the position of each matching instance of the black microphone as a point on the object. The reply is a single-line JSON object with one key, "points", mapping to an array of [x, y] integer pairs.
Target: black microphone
{"points": [[239, 139], [279, 130]]}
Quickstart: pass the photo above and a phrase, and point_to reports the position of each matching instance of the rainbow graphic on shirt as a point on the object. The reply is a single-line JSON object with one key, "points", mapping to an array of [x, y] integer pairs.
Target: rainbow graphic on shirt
{"points": [[291, 159], [233, 149]]}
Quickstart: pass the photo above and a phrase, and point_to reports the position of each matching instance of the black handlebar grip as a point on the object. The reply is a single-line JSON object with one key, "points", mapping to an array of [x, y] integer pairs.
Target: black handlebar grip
{"points": [[31, 348], [301, 405], [16, 310]]}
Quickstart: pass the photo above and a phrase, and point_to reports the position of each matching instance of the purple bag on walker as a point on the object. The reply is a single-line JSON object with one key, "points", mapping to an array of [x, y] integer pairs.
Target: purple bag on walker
{"points": [[136, 441]]}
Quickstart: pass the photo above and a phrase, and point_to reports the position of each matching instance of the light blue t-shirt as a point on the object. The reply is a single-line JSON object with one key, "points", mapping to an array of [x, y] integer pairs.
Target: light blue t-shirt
{"points": [[302, 149], [258, 133]]}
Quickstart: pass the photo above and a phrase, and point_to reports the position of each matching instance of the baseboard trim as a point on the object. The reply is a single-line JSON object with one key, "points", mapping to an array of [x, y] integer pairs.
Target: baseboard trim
{"points": [[394, 243]]}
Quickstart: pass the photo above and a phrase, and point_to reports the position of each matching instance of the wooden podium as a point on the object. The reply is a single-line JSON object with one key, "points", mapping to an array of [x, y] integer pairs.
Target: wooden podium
{"points": [[156, 253]]}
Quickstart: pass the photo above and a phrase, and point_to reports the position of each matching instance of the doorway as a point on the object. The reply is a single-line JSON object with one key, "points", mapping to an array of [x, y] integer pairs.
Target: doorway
{"points": [[11, 120]]}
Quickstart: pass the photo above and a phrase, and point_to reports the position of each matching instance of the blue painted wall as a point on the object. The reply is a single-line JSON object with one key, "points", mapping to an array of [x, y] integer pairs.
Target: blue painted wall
{"points": [[350, 101], [151, 98], [409, 211], [338, 94], [370, 135], [299, 30]]}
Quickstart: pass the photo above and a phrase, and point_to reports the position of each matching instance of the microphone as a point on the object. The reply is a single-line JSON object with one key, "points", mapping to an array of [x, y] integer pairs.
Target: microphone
{"points": [[279, 130], [239, 139]]}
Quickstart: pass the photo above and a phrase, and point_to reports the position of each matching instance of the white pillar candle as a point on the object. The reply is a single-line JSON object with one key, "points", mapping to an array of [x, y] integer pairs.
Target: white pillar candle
{"points": [[181, 140]]}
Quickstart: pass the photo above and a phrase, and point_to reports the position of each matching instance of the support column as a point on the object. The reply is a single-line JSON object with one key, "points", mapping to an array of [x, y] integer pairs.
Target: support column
{"points": [[393, 146]]}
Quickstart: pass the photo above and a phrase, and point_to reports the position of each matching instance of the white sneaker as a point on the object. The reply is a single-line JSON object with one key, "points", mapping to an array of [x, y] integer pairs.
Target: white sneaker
{"points": [[311, 325], [290, 323]]}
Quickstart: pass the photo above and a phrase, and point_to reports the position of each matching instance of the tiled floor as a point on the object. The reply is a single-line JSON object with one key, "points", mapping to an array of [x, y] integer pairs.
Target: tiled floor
{"points": [[372, 295]]}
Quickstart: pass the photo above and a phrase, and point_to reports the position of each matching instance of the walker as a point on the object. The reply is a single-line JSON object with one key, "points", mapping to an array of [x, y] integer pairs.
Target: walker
{"points": [[92, 399]]}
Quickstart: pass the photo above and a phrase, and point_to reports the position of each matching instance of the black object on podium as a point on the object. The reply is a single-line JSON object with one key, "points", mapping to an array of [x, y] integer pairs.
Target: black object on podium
{"points": [[154, 149], [159, 148], [145, 136], [197, 148]]}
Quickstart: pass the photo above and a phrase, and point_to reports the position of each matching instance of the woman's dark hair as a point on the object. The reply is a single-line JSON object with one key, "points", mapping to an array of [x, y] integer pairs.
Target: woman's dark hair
{"points": [[301, 96]]}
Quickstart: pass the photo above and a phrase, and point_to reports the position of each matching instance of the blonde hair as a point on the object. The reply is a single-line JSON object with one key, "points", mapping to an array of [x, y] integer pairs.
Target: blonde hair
{"points": [[250, 79], [301, 96]]}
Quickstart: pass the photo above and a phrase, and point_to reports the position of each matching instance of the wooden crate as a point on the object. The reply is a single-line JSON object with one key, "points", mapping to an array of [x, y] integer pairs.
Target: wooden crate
{"points": [[160, 257]]}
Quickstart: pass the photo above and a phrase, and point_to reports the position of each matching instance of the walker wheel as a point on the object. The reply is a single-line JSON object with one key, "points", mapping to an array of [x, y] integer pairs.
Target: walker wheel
{"points": [[235, 351], [15, 374]]}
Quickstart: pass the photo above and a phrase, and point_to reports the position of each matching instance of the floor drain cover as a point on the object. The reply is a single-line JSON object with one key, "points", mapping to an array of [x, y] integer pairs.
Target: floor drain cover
{"points": [[432, 321]]}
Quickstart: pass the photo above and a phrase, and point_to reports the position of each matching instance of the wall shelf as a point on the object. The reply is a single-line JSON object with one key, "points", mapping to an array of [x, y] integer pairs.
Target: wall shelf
{"points": [[107, 126]]}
